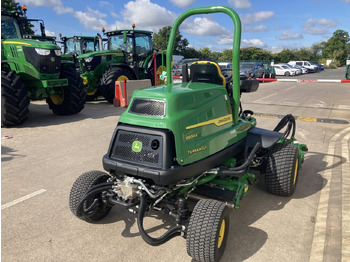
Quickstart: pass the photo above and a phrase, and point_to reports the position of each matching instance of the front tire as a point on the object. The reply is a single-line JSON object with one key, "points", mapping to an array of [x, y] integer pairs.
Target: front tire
{"points": [[85, 182], [14, 99], [282, 169], [69, 99], [208, 230], [108, 81]]}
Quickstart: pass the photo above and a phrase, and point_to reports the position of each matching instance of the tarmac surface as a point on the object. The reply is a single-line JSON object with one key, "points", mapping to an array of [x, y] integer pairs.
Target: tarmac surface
{"points": [[41, 159]]}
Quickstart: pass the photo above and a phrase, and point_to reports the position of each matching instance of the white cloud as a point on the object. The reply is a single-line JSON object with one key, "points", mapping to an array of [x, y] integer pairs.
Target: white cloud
{"points": [[56, 5], [318, 26], [253, 42], [240, 4], [287, 35], [258, 28], [49, 33], [92, 19], [204, 26], [249, 19], [225, 41], [183, 3], [147, 14]]}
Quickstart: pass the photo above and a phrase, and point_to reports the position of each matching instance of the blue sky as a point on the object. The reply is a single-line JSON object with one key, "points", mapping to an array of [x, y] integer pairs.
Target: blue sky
{"points": [[272, 25]]}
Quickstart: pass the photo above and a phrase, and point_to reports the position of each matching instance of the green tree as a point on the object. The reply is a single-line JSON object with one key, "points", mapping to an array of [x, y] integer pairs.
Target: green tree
{"points": [[285, 56], [205, 52], [337, 47], [226, 56], [9, 5], [161, 39], [190, 52]]}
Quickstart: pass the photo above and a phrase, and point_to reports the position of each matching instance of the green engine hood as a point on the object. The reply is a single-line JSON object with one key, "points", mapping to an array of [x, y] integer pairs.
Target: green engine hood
{"points": [[30, 43]]}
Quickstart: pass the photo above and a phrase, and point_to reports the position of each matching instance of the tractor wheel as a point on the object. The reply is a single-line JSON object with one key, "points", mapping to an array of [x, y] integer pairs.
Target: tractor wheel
{"points": [[85, 182], [208, 230], [68, 99], [93, 95], [14, 99], [282, 169], [108, 81], [159, 70]]}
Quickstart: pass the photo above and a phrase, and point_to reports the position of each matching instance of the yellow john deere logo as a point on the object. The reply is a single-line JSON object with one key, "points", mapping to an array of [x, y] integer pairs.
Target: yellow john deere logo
{"points": [[136, 146]]}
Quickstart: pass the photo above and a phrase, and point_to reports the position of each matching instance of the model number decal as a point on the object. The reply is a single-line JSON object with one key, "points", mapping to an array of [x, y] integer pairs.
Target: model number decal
{"points": [[190, 152], [191, 136]]}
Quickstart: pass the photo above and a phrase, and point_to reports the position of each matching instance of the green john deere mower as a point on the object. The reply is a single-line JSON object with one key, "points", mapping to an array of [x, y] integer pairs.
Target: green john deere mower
{"points": [[32, 70], [190, 140], [129, 56]]}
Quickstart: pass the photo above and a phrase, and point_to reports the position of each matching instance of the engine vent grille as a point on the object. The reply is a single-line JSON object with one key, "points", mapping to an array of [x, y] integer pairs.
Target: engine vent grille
{"points": [[148, 107], [151, 148]]}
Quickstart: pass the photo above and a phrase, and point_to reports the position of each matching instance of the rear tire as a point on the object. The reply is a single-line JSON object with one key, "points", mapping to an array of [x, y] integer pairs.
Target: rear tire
{"points": [[282, 169], [14, 99], [86, 181], [107, 86], [208, 230], [69, 99]]}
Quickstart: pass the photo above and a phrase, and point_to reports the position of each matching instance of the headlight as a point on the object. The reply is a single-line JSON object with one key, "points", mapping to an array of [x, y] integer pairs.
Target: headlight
{"points": [[58, 52], [42, 51], [89, 59]]}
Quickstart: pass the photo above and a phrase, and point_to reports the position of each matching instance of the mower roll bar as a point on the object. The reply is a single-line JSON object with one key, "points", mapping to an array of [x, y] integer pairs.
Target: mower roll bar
{"points": [[235, 49]]}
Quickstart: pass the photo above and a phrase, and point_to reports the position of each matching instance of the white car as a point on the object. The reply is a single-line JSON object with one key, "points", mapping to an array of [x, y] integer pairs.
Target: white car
{"points": [[307, 64], [304, 70], [298, 71], [283, 70]]}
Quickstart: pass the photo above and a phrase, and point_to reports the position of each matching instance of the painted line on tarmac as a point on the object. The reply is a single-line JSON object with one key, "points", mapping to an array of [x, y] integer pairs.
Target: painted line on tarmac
{"points": [[320, 231], [305, 118], [19, 200], [265, 97], [346, 199]]}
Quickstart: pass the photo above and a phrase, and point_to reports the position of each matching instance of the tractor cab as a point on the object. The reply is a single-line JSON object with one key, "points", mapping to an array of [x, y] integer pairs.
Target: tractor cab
{"points": [[135, 44], [80, 44]]}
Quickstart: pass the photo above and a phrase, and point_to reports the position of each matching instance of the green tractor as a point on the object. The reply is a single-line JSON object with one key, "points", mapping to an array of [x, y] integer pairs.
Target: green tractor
{"points": [[76, 45], [32, 70], [191, 140], [129, 56]]}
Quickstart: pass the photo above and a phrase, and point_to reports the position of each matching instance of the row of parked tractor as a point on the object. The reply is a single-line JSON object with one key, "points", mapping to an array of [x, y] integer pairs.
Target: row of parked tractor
{"points": [[34, 67]]}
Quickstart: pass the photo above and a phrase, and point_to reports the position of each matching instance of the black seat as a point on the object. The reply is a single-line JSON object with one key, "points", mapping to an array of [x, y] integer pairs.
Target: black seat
{"points": [[207, 72]]}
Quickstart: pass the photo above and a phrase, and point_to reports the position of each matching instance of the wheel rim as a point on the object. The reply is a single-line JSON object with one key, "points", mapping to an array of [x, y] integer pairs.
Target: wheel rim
{"points": [[92, 92], [221, 233], [296, 171], [57, 99], [122, 78], [159, 71]]}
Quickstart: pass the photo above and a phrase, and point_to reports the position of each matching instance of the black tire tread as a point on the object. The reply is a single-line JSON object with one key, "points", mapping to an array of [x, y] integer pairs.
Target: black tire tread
{"points": [[15, 101], [83, 183], [202, 230], [74, 94], [280, 169], [107, 85]]}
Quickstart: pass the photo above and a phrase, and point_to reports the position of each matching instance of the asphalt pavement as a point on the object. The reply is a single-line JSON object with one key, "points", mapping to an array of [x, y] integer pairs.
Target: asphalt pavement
{"points": [[41, 159]]}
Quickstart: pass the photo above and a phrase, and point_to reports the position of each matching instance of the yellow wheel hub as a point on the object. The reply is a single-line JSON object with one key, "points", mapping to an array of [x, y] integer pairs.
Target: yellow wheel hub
{"points": [[221, 233], [296, 171], [57, 99], [92, 92], [122, 78]]}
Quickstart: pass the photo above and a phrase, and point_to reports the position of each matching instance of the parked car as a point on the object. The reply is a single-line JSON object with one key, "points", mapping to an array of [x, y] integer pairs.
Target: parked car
{"points": [[225, 65], [298, 71], [283, 70], [188, 61], [318, 65], [252, 69], [304, 70], [307, 64]]}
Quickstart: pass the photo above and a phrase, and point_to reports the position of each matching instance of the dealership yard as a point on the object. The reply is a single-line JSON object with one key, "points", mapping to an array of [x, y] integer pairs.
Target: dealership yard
{"points": [[42, 158]]}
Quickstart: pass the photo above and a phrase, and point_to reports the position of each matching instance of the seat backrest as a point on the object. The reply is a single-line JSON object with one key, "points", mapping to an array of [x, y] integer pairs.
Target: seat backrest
{"points": [[207, 72]]}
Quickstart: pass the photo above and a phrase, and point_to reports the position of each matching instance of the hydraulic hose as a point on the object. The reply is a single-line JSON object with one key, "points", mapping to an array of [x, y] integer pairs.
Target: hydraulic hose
{"points": [[240, 170], [290, 120], [94, 190], [172, 232]]}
